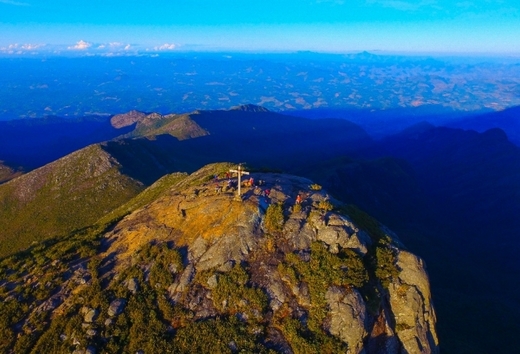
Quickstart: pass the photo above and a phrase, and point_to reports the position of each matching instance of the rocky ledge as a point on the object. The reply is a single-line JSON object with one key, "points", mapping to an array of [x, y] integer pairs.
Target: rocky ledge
{"points": [[283, 267], [280, 231]]}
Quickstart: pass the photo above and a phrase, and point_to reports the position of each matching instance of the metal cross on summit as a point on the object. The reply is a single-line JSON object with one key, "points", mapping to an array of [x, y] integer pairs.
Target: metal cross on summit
{"points": [[240, 172]]}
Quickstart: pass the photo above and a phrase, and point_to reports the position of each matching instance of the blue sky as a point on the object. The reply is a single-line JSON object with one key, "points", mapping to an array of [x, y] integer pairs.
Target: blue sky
{"points": [[116, 26]]}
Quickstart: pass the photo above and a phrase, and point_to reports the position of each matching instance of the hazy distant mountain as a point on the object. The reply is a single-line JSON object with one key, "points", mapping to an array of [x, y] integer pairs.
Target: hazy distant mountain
{"points": [[271, 139], [153, 124], [382, 123], [228, 135], [507, 120], [465, 173]]}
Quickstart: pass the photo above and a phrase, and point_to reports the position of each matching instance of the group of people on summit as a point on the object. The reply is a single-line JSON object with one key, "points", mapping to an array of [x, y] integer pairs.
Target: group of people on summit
{"points": [[231, 184]]}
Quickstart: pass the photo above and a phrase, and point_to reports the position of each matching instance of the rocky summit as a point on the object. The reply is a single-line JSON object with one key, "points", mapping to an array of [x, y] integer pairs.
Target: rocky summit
{"points": [[284, 267]]}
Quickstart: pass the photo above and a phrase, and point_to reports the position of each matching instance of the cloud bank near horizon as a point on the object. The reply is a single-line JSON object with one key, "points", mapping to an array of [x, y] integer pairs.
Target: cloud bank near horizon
{"points": [[83, 47]]}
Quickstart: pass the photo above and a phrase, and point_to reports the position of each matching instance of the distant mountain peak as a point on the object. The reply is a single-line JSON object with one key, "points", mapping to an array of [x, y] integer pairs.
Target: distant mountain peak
{"points": [[125, 119], [249, 108], [495, 134]]}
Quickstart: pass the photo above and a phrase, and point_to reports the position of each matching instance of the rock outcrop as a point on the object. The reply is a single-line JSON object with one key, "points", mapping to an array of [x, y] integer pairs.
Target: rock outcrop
{"points": [[125, 119], [219, 233], [264, 270], [410, 301]]}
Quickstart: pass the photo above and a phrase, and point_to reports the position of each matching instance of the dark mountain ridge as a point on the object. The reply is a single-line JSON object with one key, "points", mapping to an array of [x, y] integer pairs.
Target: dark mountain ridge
{"points": [[74, 190], [7, 172], [382, 123], [453, 196], [33, 143], [507, 120]]}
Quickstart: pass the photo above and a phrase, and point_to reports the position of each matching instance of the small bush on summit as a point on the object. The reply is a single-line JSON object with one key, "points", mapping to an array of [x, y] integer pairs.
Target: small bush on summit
{"points": [[325, 205], [274, 218], [386, 267]]}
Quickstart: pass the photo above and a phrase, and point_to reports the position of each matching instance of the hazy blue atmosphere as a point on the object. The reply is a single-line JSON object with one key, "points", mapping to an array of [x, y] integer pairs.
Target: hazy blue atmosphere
{"points": [[434, 26]]}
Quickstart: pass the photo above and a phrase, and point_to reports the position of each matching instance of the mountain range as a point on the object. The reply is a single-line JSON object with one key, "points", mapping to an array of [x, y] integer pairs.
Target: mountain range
{"points": [[450, 194], [184, 267]]}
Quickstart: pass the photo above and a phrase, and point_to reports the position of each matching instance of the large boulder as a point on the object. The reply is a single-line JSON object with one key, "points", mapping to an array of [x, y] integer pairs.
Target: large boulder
{"points": [[348, 317], [116, 307], [410, 301]]}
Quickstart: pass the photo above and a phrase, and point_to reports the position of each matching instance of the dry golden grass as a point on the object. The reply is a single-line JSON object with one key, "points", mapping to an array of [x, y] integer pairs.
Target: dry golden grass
{"points": [[181, 218]]}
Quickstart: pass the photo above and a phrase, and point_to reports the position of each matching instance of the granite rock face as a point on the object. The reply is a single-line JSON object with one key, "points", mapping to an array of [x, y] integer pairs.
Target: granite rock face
{"points": [[348, 317], [198, 255], [220, 233], [410, 302]]}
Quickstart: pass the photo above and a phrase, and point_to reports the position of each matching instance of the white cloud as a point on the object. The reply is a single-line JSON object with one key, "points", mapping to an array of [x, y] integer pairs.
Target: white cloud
{"points": [[16, 48], [31, 46], [128, 46], [15, 3], [80, 45], [166, 46]]}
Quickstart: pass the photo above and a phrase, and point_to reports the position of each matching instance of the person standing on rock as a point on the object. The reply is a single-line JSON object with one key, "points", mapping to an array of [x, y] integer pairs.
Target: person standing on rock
{"points": [[298, 199]]}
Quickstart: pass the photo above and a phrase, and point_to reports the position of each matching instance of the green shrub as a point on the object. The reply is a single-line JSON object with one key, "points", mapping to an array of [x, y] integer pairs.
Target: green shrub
{"points": [[386, 265], [320, 272], [160, 276], [307, 342], [217, 336], [315, 187], [233, 291], [325, 205], [356, 273], [274, 218]]}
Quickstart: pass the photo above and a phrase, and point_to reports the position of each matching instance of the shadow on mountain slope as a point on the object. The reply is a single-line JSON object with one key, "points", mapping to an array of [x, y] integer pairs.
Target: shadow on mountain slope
{"points": [[453, 197], [32, 143]]}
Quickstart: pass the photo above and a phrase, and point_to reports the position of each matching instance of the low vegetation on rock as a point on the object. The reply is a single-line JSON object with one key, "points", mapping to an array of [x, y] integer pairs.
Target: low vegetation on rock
{"points": [[184, 268]]}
